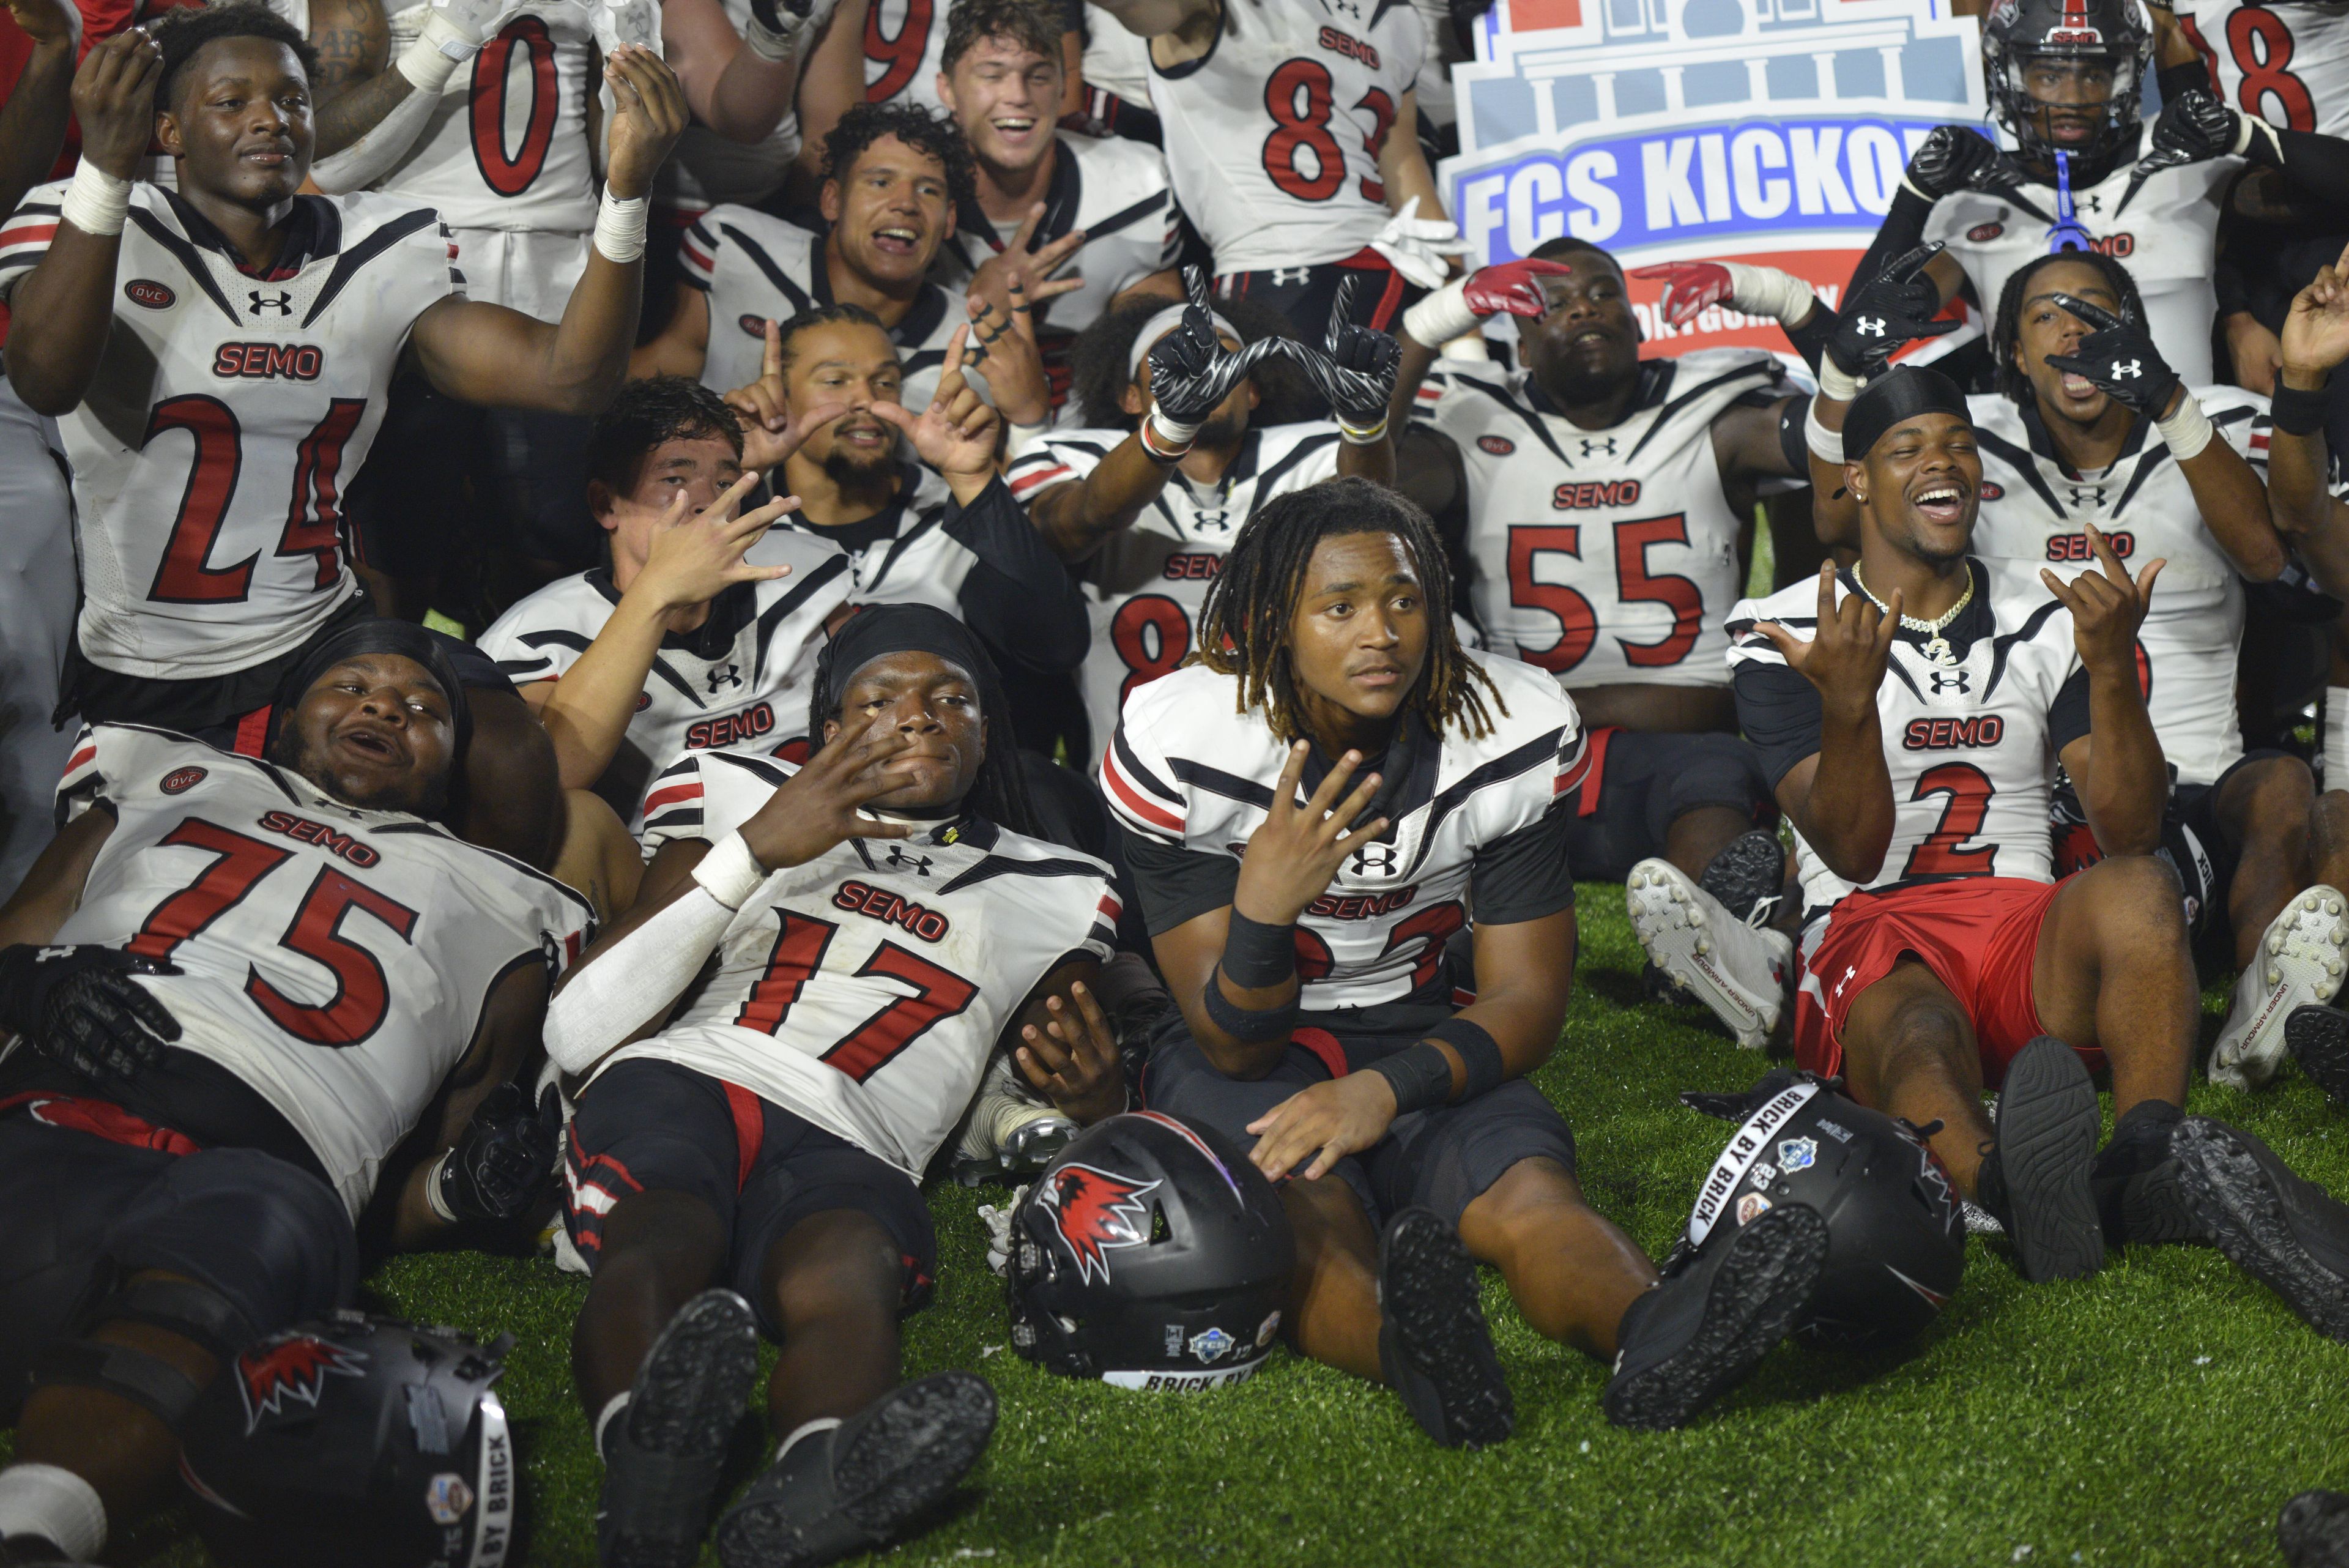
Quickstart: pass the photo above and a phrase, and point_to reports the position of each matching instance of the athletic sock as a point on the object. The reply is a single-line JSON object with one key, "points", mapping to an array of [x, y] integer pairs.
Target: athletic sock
{"points": [[806, 1429], [55, 1505], [617, 1403], [2336, 737]]}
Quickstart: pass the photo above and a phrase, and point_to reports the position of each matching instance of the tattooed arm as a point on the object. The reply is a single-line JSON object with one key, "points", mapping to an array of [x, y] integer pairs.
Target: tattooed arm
{"points": [[356, 86]]}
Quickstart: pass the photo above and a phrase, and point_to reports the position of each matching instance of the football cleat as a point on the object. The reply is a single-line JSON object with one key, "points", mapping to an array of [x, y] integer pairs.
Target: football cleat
{"points": [[2313, 1531], [857, 1486], [2287, 1232], [2140, 1198], [1749, 877], [665, 1453], [2037, 1179], [1715, 1316], [1433, 1346], [1011, 1130], [1737, 970], [2299, 964], [2318, 1039]]}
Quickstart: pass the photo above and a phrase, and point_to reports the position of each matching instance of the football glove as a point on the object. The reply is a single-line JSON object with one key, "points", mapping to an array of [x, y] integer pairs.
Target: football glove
{"points": [[504, 1161], [1191, 372], [1355, 367], [1887, 312], [2119, 358], [1691, 287], [79, 1007], [1512, 288], [1954, 158], [2197, 126], [1418, 247]]}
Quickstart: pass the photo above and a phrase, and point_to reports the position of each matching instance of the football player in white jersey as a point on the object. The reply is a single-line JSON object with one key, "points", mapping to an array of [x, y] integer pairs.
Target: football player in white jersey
{"points": [[892, 51], [893, 177], [677, 644], [1310, 948], [244, 337], [1144, 502], [876, 926], [1097, 211], [248, 1003], [1292, 132]]}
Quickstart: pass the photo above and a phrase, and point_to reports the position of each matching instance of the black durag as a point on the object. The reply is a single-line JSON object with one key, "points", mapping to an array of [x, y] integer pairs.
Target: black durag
{"points": [[1893, 399], [405, 638]]}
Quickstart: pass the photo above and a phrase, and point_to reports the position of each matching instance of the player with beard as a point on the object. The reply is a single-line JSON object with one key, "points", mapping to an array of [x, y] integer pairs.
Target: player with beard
{"points": [[252, 1003], [1311, 811], [894, 178], [1609, 503], [826, 415], [872, 924]]}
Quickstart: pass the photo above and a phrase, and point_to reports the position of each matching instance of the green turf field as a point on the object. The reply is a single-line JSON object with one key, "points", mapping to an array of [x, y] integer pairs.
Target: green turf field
{"points": [[2158, 1413]]}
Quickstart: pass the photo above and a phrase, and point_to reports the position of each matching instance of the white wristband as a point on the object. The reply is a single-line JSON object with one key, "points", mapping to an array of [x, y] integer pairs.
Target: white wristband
{"points": [[730, 871], [1836, 382], [425, 67], [1826, 445], [1442, 315], [620, 227], [432, 1189], [2186, 431], [96, 203], [1766, 291], [1166, 438], [775, 48]]}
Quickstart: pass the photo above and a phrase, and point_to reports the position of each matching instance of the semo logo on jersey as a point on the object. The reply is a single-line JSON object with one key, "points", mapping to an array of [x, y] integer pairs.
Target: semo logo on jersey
{"points": [[268, 361]]}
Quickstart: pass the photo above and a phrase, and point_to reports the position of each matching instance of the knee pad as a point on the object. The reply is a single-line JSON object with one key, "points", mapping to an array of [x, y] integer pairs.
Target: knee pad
{"points": [[193, 1312]]}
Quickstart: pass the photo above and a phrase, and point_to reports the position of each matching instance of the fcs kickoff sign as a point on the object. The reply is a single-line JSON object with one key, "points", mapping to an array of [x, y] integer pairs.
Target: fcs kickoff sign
{"points": [[1770, 132]]}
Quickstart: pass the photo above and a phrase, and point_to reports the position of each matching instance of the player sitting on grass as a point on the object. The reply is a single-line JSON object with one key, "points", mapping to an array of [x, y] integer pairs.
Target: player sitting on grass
{"points": [[1306, 944], [251, 1001], [873, 923]]}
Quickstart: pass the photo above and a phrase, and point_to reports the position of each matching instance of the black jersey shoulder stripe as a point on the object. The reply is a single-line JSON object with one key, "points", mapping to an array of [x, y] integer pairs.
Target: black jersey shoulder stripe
{"points": [[268, 770], [434, 830], [1215, 781], [1539, 752], [1126, 217], [670, 821], [1530, 418], [1295, 455], [2147, 466], [921, 322], [1665, 414], [921, 359], [687, 764], [994, 865], [188, 254], [1901, 673], [683, 687], [2023, 463], [771, 618], [348, 264], [757, 767], [924, 523], [1094, 448], [784, 285], [39, 209], [1132, 766], [1999, 646], [524, 666], [560, 637]]}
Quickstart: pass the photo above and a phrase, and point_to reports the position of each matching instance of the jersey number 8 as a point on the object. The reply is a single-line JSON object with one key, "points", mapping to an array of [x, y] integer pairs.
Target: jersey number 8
{"points": [[1306, 124]]}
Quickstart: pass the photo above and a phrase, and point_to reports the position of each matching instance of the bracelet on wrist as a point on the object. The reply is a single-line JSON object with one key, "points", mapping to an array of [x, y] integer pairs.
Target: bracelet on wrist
{"points": [[432, 1195], [1159, 444]]}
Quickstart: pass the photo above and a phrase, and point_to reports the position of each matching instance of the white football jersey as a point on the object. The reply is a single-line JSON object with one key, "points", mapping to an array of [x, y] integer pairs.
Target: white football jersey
{"points": [[754, 268], [1188, 769], [1274, 134], [1971, 747], [905, 49], [744, 678], [1144, 586], [335, 961], [228, 414], [1603, 556], [865, 988], [2287, 63], [2033, 514], [2167, 233]]}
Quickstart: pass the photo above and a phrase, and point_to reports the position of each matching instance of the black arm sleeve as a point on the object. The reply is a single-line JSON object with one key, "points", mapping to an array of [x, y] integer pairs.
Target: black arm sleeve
{"points": [[1794, 441], [1903, 231], [2317, 165], [1781, 713], [2227, 277], [2186, 77], [1017, 598], [1810, 339], [1176, 885], [2067, 721], [1522, 875]]}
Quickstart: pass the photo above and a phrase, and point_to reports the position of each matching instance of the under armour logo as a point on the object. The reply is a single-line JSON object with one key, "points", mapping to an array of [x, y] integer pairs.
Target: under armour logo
{"points": [[1378, 857], [2134, 367], [283, 304], [1947, 680], [1851, 973], [1282, 276], [2091, 201], [1872, 326], [2088, 495], [725, 675], [1219, 520], [1592, 445], [899, 860]]}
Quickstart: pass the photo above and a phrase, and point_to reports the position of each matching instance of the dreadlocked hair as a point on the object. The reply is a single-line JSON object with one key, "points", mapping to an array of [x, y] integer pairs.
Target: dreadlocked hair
{"points": [[1244, 624], [2012, 383], [998, 792]]}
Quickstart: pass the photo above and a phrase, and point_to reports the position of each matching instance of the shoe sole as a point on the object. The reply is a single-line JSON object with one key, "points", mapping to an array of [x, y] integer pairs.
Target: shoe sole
{"points": [[2048, 1125], [2235, 1197], [906, 1459], [1750, 869], [1761, 1291], [2305, 949], [1427, 1292], [1671, 925], [689, 1395], [2318, 1039], [2154, 1210]]}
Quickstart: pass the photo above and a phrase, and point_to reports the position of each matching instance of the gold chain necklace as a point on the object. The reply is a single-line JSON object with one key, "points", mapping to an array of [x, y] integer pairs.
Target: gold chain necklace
{"points": [[1937, 647]]}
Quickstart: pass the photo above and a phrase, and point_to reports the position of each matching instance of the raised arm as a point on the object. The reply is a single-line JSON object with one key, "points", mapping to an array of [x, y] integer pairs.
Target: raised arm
{"points": [[2300, 497], [1841, 798], [1152, 18], [740, 84], [33, 119], [1355, 369], [2117, 766]]}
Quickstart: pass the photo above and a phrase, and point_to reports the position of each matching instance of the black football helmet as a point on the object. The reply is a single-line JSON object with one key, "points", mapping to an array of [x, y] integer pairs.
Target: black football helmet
{"points": [[1896, 1235], [2063, 76], [1150, 1255], [361, 1441]]}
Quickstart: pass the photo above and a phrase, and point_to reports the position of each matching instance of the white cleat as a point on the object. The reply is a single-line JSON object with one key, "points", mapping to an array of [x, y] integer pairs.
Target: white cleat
{"points": [[2299, 963], [1737, 970]]}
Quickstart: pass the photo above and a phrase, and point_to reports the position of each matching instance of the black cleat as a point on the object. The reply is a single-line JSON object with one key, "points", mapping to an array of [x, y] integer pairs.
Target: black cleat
{"points": [[2138, 1197], [1748, 876], [2036, 1181], [2318, 1039], [2287, 1232], [664, 1454], [1714, 1316], [858, 1486], [1433, 1348], [2313, 1531]]}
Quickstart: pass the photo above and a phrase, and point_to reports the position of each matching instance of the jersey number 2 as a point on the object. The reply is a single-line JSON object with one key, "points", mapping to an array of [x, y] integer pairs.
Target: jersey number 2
{"points": [[1943, 853], [1298, 97], [1577, 624], [314, 523], [938, 993]]}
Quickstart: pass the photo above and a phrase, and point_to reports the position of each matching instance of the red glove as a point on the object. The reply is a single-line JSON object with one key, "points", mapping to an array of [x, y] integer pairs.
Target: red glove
{"points": [[1689, 287], [1514, 287]]}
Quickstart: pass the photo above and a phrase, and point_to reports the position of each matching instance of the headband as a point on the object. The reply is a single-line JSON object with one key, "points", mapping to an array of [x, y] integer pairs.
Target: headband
{"points": [[1159, 325], [1893, 398], [877, 631], [361, 637]]}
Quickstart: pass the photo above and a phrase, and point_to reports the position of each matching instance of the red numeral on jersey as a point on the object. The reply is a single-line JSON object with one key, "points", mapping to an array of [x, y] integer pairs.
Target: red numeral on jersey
{"points": [[512, 176], [313, 520], [2262, 45], [243, 862], [1151, 634], [1634, 585], [1577, 627], [799, 953], [900, 56], [1431, 928], [1314, 959], [1298, 98], [1943, 853], [1382, 117]]}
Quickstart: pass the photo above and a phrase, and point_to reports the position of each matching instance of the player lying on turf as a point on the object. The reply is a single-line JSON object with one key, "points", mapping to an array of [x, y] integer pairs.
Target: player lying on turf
{"points": [[1642, 473], [873, 923], [1306, 944], [252, 1002]]}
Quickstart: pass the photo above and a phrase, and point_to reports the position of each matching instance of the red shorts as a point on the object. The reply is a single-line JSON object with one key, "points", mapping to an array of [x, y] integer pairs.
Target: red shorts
{"points": [[1978, 936]]}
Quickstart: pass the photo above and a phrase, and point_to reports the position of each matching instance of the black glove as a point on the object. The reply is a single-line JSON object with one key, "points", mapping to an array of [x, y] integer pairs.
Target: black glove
{"points": [[1355, 367], [79, 1007], [1887, 312], [1191, 372], [506, 1159], [2195, 127], [1955, 158], [2120, 358]]}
